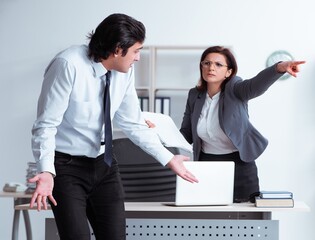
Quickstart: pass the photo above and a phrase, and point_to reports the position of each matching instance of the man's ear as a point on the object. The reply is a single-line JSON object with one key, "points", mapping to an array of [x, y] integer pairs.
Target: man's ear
{"points": [[118, 51]]}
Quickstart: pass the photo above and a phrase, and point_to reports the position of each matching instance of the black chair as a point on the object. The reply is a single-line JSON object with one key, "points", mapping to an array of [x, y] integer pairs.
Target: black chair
{"points": [[144, 178]]}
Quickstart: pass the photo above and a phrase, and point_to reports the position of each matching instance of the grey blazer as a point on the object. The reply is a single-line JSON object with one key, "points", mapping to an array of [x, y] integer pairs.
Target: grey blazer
{"points": [[233, 114]]}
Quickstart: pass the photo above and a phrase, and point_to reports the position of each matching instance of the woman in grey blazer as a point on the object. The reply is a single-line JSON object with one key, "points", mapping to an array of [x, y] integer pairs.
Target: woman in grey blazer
{"points": [[216, 118]]}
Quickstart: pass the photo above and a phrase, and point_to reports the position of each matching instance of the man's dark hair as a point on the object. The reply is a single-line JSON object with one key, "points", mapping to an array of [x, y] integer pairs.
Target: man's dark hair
{"points": [[115, 31]]}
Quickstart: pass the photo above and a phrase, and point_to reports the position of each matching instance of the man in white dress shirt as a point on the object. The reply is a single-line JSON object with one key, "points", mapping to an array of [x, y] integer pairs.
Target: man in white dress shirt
{"points": [[68, 133]]}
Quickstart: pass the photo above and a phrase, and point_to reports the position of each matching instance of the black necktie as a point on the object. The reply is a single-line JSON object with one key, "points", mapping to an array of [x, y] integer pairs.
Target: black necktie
{"points": [[107, 121]]}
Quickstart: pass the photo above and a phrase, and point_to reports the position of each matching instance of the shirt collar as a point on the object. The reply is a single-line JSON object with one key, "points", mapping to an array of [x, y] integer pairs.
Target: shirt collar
{"points": [[215, 97], [99, 69]]}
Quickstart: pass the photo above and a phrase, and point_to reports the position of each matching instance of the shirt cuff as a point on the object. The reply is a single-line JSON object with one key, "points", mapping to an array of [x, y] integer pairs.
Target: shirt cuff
{"points": [[164, 156], [46, 166]]}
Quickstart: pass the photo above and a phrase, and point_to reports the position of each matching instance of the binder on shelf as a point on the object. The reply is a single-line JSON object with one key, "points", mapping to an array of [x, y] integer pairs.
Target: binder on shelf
{"points": [[163, 105], [166, 106], [158, 105], [144, 103]]}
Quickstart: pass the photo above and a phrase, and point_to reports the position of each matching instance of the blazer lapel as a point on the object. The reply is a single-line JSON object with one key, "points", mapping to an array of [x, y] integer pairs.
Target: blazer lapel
{"points": [[197, 109]]}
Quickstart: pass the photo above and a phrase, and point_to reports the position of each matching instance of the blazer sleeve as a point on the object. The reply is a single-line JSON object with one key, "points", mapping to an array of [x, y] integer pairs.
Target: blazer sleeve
{"points": [[256, 86]]}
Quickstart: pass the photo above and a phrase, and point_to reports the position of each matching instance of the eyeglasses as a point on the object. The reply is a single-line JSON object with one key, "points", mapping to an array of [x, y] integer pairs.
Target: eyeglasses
{"points": [[207, 64]]}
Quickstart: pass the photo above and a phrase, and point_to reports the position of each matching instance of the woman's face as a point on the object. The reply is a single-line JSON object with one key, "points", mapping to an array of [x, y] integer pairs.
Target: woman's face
{"points": [[215, 69]]}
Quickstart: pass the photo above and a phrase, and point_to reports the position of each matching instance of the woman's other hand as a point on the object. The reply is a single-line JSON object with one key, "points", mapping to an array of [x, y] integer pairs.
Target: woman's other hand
{"points": [[150, 124]]}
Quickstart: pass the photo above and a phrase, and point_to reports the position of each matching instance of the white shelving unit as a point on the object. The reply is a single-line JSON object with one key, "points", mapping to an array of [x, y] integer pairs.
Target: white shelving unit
{"points": [[168, 71]]}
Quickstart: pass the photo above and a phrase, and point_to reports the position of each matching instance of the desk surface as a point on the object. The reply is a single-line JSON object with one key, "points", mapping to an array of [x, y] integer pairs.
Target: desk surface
{"points": [[236, 207], [15, 194], [160, 207]]}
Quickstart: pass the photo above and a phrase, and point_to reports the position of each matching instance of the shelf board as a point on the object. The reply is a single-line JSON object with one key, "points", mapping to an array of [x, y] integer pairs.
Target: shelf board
{"points": [[184, 47], [172, 89], [142, 88]]}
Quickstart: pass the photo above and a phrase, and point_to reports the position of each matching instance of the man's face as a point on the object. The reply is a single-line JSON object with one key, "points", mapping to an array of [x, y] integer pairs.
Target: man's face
{"points": [[123, 63]]}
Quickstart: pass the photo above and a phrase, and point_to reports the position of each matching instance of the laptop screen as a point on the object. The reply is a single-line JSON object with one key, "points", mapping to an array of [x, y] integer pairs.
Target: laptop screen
{"points": [[215, 186]]}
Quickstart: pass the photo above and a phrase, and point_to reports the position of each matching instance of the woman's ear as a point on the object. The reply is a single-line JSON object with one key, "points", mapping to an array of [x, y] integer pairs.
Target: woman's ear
{"points": [[228, 73]]}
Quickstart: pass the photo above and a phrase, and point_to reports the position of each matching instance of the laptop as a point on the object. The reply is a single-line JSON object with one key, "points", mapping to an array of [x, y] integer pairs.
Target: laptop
{"points": [[215, 186]]}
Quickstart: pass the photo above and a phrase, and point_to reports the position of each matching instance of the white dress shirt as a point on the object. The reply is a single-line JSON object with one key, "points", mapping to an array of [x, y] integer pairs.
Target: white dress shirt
{"points": [[70, 110], [214, 140]]}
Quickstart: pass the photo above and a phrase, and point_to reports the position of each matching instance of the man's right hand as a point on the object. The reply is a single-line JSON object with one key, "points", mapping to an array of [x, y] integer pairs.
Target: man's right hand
{"points": [[44, 186], [177, 165]]}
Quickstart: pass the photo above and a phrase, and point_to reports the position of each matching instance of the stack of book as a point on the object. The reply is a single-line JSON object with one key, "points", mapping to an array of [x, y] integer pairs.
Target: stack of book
{"points": [[277, 199], [31, 171]]}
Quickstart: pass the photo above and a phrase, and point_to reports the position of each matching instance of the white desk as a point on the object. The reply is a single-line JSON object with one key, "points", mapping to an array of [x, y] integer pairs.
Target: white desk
{"points": [[156, 221], [18, 199], [238, 221]]}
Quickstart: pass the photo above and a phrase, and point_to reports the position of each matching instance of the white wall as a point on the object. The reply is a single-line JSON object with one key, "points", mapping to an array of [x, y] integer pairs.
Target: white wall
{"points": [[32, 31]]}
